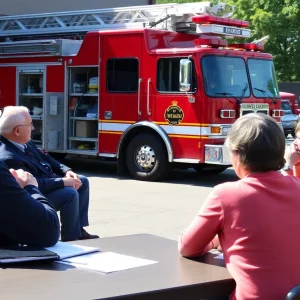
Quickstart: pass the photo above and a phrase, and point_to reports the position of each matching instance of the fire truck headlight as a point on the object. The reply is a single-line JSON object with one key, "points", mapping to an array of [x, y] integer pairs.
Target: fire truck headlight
{"points": [[225, 130]]}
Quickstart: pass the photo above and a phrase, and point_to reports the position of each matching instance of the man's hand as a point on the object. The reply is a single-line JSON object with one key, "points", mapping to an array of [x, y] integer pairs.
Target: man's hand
{"points": [[71, 174], [72, 182], [292, 154], [23, 178]]}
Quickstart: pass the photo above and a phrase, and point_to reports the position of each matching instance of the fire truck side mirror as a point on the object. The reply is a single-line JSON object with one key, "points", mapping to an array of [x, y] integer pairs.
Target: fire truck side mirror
{"points": [[185, 75]]}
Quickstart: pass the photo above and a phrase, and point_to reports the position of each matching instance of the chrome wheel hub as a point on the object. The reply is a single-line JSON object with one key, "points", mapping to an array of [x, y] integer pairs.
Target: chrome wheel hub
{"points": [[145, 158]]}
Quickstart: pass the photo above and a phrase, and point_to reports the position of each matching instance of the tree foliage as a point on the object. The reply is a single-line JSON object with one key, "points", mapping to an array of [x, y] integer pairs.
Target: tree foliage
{"points": [[280, 19]]}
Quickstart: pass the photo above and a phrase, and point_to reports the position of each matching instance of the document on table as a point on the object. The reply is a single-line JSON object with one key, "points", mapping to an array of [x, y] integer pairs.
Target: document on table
{"points": [[61, 250], [220, 256], [66, 250], [106, 262]]}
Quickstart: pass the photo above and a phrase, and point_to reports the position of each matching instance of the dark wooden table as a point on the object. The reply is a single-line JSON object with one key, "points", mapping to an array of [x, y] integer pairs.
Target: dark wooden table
{"points": [[173, 277]]}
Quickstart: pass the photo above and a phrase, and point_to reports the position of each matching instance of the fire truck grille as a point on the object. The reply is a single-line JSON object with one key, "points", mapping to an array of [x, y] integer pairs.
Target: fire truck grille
{"points": [[249, 111], [266, 112], [245, 112]]}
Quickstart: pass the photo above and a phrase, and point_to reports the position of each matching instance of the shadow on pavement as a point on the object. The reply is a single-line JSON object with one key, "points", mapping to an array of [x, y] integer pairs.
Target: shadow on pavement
{"points": [[96, 167], [105, 169]]}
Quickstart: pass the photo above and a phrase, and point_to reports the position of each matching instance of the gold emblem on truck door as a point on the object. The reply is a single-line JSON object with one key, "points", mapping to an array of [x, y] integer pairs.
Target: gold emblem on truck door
{"points": [[174, 114]]}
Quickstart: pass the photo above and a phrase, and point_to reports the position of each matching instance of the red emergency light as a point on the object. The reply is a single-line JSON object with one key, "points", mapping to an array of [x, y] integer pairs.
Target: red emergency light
{"points": [[211, 42], [248, 46], [227, 113], [206, 19], [277, 113]]}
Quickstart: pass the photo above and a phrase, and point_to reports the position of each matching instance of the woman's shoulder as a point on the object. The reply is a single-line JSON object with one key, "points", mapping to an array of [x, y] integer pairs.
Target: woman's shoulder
{"points": [[247, 184], [290, 179], [223, 190]]}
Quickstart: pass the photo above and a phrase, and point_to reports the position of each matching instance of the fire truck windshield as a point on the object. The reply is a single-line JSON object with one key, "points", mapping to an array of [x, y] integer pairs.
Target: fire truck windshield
{"points": [[263, 78], [225, 77]]}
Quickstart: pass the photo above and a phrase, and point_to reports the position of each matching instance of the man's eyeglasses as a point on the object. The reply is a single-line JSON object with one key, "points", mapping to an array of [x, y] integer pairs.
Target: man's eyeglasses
{"points": [[31, 125]]}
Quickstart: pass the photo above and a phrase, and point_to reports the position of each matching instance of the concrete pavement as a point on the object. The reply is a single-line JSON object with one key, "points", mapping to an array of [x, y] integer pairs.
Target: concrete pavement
{"points": [[122, 206]]}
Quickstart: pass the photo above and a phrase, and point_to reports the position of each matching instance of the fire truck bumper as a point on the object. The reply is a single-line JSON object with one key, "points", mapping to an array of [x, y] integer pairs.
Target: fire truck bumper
{"points": [[217, 154]]}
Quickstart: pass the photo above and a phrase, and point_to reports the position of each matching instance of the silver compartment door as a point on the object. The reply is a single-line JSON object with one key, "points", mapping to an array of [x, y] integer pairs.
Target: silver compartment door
{"points": [[54, 122]]}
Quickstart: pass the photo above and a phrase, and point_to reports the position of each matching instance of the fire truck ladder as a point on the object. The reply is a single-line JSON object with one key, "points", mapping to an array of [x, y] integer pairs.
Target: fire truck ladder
{"points": [[175, 17]]}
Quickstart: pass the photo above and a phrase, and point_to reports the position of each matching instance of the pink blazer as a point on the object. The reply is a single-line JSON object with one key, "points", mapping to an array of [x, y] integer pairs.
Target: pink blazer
{"points": [[257, 220]]}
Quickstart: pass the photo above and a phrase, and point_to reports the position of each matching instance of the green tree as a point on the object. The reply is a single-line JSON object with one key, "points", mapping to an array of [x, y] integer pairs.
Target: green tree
{"points": [[280, 19], [178, 1]]}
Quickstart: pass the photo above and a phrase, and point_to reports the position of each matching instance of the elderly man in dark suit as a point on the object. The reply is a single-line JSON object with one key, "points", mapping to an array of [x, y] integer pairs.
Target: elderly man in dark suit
{"points": [[68, 191], [26, 216]]}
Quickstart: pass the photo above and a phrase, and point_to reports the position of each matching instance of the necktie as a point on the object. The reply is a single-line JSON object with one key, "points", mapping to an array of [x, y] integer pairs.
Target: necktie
{"points": [[27, 151]]}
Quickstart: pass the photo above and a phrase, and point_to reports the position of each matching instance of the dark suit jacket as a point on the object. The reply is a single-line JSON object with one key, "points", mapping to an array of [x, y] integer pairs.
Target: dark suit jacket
{"points": [[26, 217], [49, 179]]}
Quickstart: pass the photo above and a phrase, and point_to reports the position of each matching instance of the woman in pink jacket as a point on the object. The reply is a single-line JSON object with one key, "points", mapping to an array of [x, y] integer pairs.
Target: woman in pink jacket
{"points": [[256, 219]]}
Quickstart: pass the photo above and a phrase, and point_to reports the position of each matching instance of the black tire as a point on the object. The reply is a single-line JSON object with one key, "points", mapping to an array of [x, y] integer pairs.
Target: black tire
{"points": [[153, 143], [286, 134], [209, 170], [293, 133]]}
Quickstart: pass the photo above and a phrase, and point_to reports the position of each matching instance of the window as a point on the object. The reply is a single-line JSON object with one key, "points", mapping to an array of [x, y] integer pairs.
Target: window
{"points": [[286, 107], [225, 76], [122, 75], [263, 78], [168, 75]]}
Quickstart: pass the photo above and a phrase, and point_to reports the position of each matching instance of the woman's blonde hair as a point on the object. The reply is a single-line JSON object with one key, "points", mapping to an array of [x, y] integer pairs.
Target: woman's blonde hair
{"points": [[259, 142]]}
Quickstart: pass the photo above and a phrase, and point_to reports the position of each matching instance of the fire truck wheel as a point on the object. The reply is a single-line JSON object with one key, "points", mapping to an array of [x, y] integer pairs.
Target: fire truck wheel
{"points": [[207, 170], [146, 158]]}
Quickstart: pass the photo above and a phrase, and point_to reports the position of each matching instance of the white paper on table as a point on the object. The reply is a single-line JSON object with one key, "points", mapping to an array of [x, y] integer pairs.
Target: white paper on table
{"points": [[106, 262], [220, 256]]}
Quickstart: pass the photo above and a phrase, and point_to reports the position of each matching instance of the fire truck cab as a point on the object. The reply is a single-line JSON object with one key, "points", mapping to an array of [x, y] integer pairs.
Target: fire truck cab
{"points": [[149, 87]]}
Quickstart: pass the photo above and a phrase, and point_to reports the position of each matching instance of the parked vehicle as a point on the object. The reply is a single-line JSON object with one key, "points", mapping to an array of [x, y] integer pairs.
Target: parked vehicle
{"points": [[291, 113], [289, 120], [148, 86]]}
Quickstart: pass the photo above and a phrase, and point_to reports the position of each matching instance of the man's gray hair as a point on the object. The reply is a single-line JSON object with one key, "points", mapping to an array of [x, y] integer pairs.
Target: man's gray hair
{"points": [[12, 117]]}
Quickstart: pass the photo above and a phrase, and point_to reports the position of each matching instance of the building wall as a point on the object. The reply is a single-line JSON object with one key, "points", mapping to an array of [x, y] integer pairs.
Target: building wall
{"points": [[18, 7]]}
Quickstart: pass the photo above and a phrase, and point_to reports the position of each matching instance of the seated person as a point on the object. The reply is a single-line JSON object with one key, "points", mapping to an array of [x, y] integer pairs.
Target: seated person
{"points": [[26, 216], [68, 191], [255, 219]]}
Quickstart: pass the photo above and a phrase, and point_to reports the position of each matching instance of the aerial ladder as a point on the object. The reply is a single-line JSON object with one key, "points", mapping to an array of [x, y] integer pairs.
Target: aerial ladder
{"points": [[162, 16], [47, 33]]}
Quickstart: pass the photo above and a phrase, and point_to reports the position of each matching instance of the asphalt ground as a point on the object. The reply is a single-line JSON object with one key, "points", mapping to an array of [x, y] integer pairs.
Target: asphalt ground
{"points": [[123, 206]]}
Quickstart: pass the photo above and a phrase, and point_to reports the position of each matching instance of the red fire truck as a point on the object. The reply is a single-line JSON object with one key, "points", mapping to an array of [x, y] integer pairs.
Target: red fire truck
{"points": [[149, 86]]}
